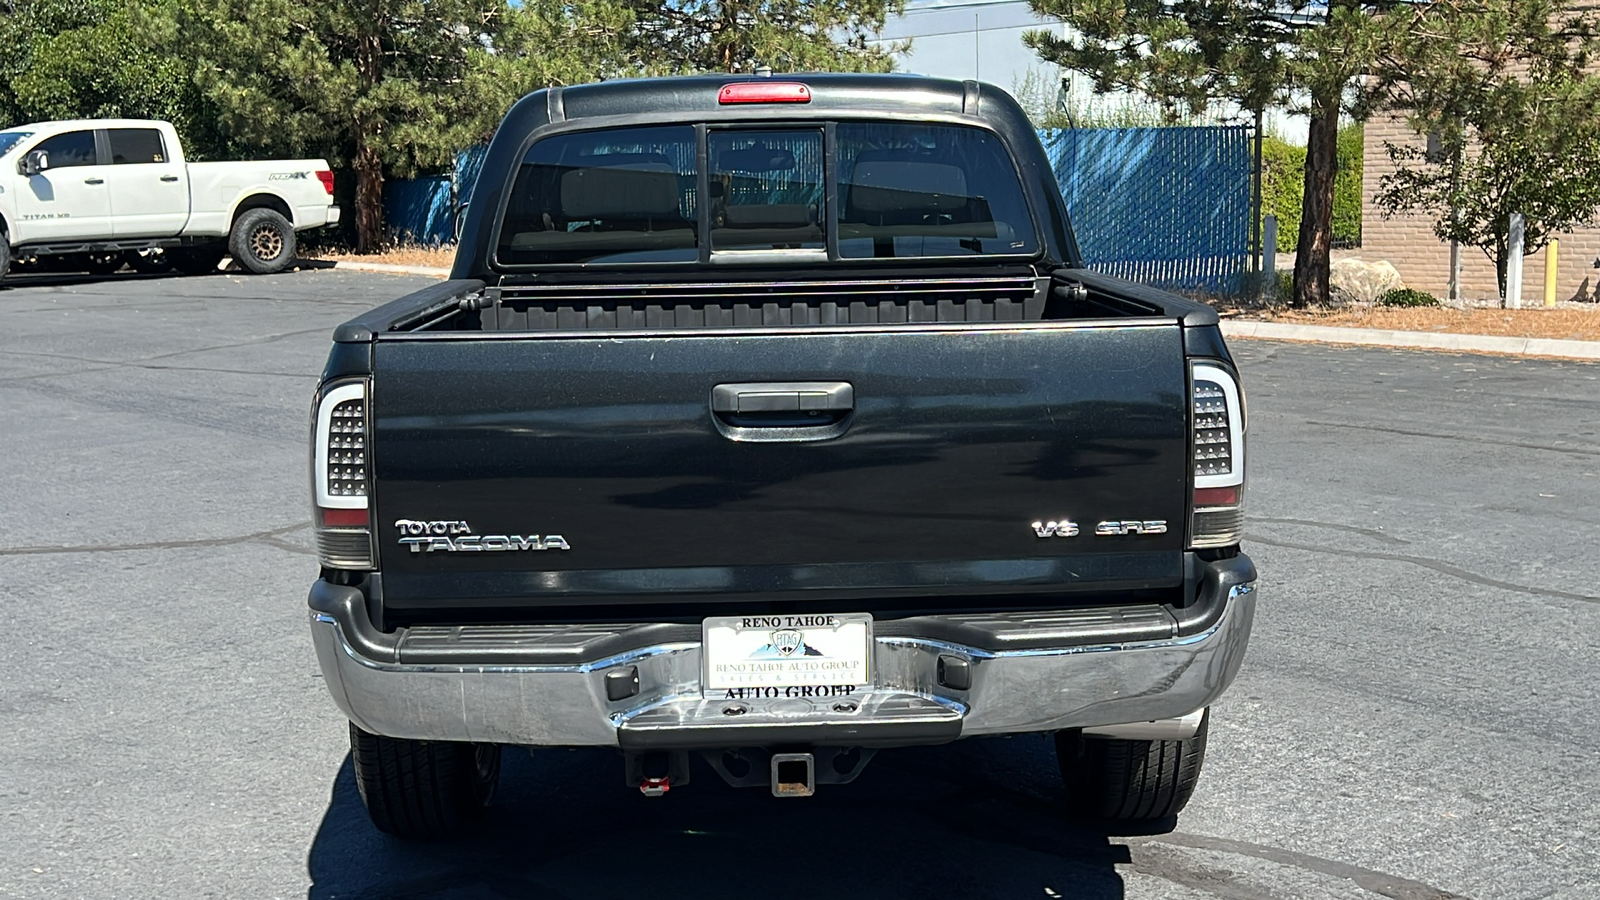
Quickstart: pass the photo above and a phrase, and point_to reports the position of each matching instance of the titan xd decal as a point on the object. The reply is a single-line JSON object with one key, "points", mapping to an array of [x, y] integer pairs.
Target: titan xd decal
{"points": [[456, 536]]}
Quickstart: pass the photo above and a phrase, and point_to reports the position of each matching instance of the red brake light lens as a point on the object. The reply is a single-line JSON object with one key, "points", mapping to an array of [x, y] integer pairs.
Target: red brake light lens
{"points": [[764, 92], [326, 178], [1221, 496], [347, 518]]}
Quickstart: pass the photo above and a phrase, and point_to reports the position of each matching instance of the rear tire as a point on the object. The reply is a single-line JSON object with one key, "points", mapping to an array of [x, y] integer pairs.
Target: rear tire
{"points": [[1130, 781], [198, 260], [262, 241], [423, 789], [5, 256]]}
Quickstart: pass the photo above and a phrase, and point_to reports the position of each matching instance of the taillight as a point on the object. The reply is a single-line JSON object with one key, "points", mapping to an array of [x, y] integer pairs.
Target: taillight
{"points": [[341, 476], [326, 178], [764, 92], [1218, 457]]}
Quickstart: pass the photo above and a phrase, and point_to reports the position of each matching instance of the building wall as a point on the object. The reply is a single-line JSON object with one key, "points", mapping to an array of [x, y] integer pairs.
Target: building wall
{"points": [[1408, 242]]}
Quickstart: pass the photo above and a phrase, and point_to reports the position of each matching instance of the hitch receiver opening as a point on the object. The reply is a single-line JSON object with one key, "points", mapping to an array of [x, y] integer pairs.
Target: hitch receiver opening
{"points": [[793, 775]]}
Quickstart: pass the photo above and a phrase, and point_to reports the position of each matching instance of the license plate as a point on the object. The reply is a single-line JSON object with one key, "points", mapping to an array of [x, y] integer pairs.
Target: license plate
{"points": [[788, 656]]}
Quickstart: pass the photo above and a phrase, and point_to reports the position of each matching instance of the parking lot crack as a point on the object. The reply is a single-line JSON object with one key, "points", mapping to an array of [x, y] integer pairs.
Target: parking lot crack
{"points": [[269, 537], [1521, 445], [1442, 568], [1381, 883], [1353, 529]]}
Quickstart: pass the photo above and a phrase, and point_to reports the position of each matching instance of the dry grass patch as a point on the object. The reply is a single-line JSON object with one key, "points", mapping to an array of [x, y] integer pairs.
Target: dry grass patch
{"points": [[435, 257], [1560, 323]]}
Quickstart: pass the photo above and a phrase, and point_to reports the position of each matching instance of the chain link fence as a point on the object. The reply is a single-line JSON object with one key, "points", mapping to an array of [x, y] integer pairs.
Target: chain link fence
{"points": [[1168, 207]]}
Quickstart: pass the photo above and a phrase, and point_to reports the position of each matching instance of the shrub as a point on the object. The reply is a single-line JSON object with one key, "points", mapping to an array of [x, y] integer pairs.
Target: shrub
{"points": [[1408, 297], [1283, 174]]}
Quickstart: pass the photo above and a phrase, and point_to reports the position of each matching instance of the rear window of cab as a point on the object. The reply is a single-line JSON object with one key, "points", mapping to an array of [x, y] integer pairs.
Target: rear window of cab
{"points": [[633, 195]]}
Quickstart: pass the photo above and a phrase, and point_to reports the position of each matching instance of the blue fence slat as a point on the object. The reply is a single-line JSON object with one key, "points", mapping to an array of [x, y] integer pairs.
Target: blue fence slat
{"points": [[424, 210], [418, 211], [1162, 206]]}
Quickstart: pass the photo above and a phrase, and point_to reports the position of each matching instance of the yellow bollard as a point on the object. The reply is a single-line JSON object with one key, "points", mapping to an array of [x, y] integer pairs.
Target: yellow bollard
{"points": [[1551, 252]]}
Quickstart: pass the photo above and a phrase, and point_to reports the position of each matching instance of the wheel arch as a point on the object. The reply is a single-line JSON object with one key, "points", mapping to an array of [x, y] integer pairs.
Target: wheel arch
{"points": [[262, 200]]}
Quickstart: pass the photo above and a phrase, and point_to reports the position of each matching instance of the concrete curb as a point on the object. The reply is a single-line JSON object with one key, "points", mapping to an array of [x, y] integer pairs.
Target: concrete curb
{"points": [[1423, 340], [388, 269]]}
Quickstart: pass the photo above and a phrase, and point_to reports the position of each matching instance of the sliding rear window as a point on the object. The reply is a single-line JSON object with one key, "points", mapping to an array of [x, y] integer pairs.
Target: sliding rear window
{"points": [[928, 190], [624, 195], [896, 191]]}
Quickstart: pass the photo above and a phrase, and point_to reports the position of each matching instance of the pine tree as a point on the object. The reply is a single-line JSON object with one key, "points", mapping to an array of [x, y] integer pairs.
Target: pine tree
{"points": [[1189, 54], [383, 86], [786, 35]]}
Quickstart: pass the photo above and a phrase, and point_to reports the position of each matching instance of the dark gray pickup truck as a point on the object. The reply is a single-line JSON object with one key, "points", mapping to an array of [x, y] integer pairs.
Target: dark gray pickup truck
{"points": [[764, 424]]}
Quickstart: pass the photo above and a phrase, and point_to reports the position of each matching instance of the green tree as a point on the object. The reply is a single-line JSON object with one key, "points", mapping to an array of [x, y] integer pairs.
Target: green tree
{"points": [[787, 35], [1510, 96], [383, 86], [71, 59], [1283, 187], [1189, 54]]}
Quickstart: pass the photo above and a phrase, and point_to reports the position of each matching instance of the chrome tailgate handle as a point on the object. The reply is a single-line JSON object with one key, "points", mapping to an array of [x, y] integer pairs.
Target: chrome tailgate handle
{"points": [[835, 397]]}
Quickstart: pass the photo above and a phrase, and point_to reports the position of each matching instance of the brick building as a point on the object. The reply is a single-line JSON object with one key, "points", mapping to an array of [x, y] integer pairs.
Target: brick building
{"points": [[1423, 260]]}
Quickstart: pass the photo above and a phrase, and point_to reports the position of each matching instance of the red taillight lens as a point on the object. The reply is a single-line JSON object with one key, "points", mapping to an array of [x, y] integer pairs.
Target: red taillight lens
{"points": [[1217, 454], [340, 474], [326, 178], [764, 92], [343, 517], [1222, 496]]}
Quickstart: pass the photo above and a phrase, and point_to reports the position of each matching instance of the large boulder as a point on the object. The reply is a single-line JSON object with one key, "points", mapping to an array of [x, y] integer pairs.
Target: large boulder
{"points": [[1357, 281]]}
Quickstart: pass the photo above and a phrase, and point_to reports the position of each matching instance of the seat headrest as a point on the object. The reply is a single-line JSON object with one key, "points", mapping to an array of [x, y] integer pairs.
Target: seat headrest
{"points": [[889, 182], [643, 190]]}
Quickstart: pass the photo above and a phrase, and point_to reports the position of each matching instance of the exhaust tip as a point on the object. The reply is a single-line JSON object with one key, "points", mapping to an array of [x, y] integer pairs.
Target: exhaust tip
{"points": [[793, 775]]}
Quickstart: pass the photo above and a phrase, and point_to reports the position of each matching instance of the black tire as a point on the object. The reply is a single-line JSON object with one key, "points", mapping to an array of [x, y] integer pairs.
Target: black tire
{"points": [[1130, 781], [101, 263], [200, 260], [423, 789], [5, 256], [149, 262], [262, 241]]}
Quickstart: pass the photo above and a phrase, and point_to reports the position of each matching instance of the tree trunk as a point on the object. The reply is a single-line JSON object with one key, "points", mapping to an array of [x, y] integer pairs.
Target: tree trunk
{"points": [[368, 166], [369, 197], [1316, 211]]}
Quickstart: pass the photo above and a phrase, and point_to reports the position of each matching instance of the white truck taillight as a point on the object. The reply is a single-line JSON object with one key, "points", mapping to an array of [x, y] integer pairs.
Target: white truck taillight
{"points": [[1218, 455], [340, 474]]}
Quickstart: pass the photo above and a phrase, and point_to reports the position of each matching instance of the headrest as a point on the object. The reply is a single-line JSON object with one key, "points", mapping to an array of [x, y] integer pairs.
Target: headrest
{"points": [[887, 185], [643, 190]]}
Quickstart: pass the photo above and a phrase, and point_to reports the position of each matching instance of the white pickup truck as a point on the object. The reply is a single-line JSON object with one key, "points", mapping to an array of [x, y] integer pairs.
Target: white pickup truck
{"points": [[99, 193]]}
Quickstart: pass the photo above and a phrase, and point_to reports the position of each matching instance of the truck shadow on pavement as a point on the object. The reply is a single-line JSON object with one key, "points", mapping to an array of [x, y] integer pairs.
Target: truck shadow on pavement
{"points": [[980, 818]]}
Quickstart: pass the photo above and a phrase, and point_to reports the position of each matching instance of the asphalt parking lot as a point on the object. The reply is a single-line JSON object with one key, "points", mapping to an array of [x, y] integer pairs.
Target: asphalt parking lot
{"points": [[1416, 719]]}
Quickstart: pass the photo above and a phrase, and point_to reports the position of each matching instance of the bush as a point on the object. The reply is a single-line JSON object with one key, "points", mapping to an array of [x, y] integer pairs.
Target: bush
{"points": [[1283, 174], [1408, 297]]}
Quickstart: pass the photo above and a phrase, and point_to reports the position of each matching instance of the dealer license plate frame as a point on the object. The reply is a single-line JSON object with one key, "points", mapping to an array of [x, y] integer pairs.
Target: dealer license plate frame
{"points": [[730, 640]]}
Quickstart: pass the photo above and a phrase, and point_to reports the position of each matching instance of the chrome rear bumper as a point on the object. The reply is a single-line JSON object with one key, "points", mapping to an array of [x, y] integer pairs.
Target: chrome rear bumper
{"points": [[1085, 678]]}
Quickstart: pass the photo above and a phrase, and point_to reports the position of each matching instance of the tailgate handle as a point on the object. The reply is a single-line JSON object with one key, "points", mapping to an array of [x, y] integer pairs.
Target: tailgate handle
{"points": [[804, 401]]}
